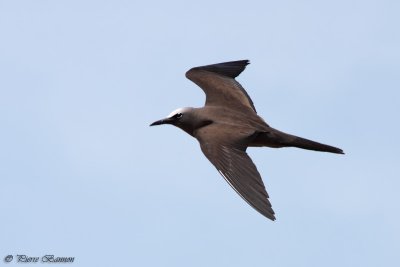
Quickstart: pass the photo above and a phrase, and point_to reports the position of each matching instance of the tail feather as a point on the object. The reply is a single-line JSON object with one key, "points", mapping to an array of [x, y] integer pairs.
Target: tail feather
{"points": [[312, 145], [275, 138]]}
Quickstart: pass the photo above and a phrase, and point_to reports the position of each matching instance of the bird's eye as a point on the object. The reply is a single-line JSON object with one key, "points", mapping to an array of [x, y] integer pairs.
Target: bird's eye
{"points": [[178, 115]]}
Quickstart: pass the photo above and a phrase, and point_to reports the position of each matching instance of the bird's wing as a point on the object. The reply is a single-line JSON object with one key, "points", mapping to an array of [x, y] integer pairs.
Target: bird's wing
{"points": [[229, 156], [219, 84]]}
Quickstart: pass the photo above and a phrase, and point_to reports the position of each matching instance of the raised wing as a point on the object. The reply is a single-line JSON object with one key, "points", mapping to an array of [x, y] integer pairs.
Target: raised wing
{"points": [[219, 84]]}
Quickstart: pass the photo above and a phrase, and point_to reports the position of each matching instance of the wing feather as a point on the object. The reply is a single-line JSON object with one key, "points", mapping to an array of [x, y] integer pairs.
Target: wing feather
{"points": [[239, 171], [219, 84]]}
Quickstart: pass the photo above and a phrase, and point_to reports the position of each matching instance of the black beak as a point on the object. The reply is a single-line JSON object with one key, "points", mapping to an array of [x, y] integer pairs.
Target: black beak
{"points": [[163, 121]]}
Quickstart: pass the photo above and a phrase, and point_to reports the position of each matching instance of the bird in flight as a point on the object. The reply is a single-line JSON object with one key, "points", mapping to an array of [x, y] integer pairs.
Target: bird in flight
{"points": [[227, 125]]}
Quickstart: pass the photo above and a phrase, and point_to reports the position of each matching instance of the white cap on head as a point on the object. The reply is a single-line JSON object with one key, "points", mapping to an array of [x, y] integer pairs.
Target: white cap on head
{"points": [[179, 110]]}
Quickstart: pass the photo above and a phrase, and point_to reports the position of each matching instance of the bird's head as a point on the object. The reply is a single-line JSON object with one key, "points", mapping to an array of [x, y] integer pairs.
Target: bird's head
{"points": [[180, 117]]}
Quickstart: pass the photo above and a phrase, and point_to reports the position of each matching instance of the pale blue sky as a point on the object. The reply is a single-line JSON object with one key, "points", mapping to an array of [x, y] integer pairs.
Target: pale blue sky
{"points": [[82, 174]]}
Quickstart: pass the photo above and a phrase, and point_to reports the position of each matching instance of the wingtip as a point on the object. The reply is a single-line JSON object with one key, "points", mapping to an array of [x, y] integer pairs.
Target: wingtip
{"points": [[230, 69], [269, 215]]}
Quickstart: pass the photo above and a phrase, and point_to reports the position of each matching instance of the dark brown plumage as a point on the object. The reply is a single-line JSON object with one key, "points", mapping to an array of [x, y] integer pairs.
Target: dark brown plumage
{"points": [[228, 124]]}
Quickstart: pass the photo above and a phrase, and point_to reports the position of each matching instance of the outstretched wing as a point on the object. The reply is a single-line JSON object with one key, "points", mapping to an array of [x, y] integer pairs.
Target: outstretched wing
{"points": [[241, 174], [228, 154], [219, 84]]}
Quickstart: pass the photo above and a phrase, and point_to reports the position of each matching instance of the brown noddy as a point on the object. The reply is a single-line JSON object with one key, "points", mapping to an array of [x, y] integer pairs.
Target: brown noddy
{"points": [[228, 124]]}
